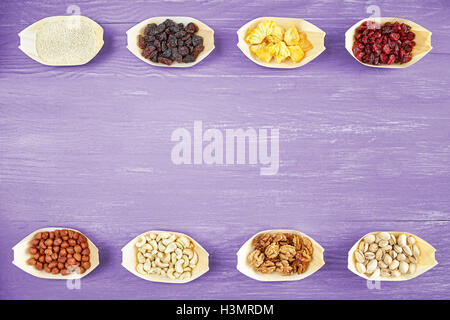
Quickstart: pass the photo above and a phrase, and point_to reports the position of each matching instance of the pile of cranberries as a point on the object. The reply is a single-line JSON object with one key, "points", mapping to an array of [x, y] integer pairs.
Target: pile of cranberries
{"points": [[386, 44]]}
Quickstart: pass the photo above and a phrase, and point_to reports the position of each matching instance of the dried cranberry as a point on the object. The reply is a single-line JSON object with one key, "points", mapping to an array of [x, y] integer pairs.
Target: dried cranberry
{"points": [[386, 49], [374, 44], [394, 36], [410, 36], [391, 59]]}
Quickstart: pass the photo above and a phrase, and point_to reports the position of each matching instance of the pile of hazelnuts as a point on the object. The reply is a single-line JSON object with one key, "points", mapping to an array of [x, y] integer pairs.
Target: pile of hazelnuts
{"points": [[60, 251]]}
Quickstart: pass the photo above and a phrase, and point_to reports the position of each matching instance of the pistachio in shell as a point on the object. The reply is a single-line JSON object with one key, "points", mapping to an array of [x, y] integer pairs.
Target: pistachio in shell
{"points": [[425, 261]]}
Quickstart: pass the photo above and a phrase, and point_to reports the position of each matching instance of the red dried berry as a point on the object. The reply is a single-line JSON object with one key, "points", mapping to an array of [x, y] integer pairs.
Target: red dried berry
{"points": [[386, 44]]}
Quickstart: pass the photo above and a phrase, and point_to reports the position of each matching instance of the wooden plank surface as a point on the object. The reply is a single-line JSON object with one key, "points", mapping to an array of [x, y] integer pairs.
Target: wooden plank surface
{"points": [[89, 147]]}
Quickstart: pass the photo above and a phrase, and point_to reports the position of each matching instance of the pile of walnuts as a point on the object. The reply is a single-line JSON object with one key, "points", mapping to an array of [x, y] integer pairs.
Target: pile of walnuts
{"points": [[281, 252]]}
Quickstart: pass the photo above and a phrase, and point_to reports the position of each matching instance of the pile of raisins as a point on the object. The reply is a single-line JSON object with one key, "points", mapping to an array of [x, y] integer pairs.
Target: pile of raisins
{"points": [[168, 42], [383, 44]]}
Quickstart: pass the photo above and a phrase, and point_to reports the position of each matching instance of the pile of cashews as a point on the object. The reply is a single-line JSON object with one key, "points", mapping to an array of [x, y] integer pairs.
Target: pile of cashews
{"points": [[166, 254]]}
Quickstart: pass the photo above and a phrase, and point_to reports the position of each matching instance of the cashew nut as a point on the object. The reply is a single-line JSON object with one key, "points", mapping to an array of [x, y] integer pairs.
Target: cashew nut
{"points": [[165, 254], [140, 269], [140, 257], [189, 253], [170, 248], [169, 240], [185, 275], [179, 266], [170, 273], [141, 241], [194, 260]]}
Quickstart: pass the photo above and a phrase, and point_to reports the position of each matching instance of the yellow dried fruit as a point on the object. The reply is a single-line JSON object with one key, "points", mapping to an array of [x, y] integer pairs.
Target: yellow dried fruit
{"points": [[260, 32], [277, 33], [261, 52], [255, 36], [279, 50], [291, 37], [269, 40], [296, 53], [304, 42], [267, 27]]}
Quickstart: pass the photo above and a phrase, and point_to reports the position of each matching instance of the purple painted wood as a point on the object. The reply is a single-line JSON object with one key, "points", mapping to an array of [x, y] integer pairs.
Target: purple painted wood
{"points": [[89, 147]]}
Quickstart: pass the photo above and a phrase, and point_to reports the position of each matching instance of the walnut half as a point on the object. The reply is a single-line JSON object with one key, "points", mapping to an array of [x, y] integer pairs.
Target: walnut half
{"points": [[284, 253]]}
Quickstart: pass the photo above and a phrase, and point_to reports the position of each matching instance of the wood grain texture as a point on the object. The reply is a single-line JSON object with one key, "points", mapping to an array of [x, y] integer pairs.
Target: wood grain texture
{"points": [[89, 147]]}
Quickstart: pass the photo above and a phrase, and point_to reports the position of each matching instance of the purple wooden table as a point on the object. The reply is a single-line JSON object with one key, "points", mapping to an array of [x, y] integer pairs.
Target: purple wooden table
{"points": [[88, 147]]}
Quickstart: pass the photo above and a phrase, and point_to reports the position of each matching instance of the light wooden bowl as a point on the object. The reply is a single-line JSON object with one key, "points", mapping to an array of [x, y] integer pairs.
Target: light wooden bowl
{"points": [[203, 31], [314, 34], [21, 256], [129, 260], [29, 34], [422, 47], [244, 267], [425, 262]]}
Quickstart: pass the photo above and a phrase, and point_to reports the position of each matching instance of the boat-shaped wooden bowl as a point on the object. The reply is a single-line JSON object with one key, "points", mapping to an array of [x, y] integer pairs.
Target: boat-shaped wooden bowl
{"points": [[422, 40], [129, 260], [203, 31], [244, 267], [29, 39], [314, 34], [425, 262], [21, 256]]}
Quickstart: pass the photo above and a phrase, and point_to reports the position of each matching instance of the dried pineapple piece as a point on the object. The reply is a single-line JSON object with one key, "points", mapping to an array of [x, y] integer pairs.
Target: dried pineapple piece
{"points": [[260, 32], [262, 52], [266, 27], [269, 40], [279, 50], [296, 53], [291, 37], [304, 42], [277, 33], [255, 36]]}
